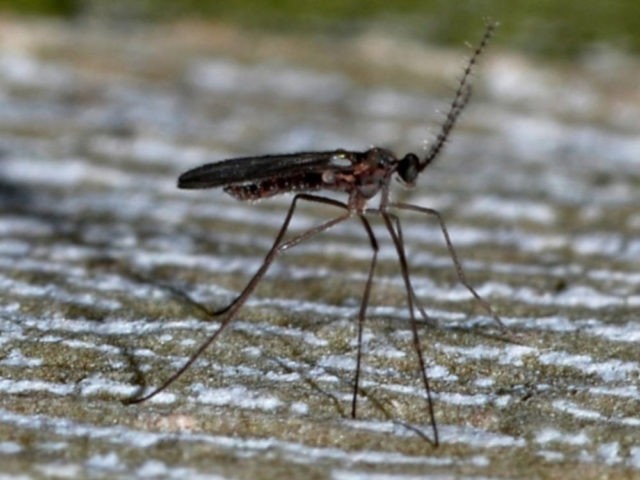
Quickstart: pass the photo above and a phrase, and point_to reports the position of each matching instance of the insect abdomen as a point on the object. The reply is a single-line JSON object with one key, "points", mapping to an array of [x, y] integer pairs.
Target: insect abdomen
{"points": [[274, 186]]}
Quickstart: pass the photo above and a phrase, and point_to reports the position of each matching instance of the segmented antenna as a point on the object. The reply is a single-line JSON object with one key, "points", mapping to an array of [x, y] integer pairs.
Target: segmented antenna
{"points": [[460, 99]]}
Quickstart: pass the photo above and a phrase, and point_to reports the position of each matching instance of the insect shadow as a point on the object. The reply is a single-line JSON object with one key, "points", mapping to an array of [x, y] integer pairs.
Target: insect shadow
{"points": [[361, 175]]}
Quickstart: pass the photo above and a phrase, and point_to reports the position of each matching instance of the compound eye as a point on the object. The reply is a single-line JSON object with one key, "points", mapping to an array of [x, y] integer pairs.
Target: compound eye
{"points": [[408, 168]]}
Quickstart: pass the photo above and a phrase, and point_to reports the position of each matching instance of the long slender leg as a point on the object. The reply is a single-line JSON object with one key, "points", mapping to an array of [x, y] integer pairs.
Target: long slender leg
{"points": [[281, 233], [453, 255], [430, 321], [363, 310], [427, 319], [414, 324], [277, 248]]}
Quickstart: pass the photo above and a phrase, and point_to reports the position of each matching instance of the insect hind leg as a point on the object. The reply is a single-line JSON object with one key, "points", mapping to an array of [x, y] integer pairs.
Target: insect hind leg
{"points": [[281, 233], [278, 247]]}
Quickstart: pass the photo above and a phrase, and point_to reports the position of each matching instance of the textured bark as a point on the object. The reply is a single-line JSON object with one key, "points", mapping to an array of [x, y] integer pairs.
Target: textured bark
{"points": [[105, 265]]}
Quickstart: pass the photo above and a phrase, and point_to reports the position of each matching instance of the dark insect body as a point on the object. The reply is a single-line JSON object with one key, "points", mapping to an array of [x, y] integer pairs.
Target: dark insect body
{"points": [[361, 175]]}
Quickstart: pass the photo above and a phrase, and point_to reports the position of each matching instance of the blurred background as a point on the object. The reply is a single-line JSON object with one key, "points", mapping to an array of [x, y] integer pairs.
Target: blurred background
{"points": [[566, 30]]}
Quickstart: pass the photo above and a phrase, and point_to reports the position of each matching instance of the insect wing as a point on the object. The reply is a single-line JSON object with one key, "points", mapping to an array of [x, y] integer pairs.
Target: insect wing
{"points": [[254, 169]]}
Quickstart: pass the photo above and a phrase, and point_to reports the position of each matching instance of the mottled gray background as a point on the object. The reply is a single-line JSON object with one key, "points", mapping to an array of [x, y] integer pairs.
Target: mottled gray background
{"points": [[540, 186]]}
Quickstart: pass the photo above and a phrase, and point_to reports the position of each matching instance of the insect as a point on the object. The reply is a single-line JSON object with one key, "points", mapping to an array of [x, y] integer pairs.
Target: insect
{"points": [[360, 175]]}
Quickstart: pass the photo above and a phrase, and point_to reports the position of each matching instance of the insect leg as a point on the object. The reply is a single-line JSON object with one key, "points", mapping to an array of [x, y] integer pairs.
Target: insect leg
{"points": [[278, 240], [423, 313], [453, 255], [414, 324], [278, 247], [363, 309], [428, 320]]}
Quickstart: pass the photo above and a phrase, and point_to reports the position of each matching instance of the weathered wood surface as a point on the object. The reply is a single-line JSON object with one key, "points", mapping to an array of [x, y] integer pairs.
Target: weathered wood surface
{"points": [[540, 186]]}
